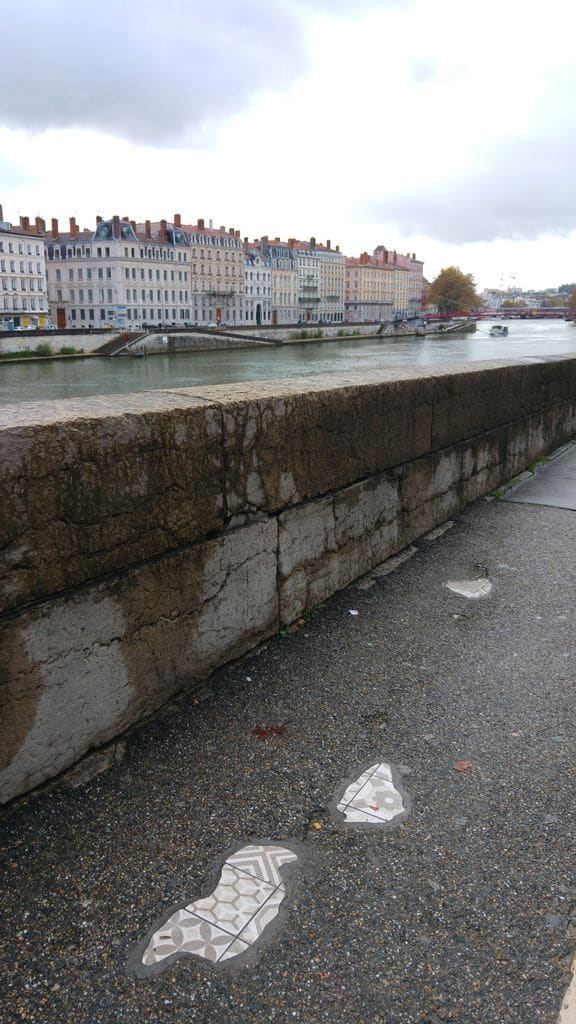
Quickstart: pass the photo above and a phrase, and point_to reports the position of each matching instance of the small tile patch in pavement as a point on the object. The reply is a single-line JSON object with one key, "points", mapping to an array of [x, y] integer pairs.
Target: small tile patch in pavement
{"points": [[230, 920], [470, 588], [375, 797]]}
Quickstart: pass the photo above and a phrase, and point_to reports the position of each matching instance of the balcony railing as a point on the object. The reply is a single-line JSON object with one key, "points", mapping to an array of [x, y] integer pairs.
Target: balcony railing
{"points": [[306, 299], [220, 293]]}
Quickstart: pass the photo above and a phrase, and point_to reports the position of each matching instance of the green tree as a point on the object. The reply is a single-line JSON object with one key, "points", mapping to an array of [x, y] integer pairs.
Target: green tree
{"points": [[514, 304], [572, 302], [453, 292]]}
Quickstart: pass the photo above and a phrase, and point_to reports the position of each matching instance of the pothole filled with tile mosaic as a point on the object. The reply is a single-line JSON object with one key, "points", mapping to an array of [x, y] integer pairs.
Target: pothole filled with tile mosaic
{"points": [[229, 921], [373, 798], [470, 588]]}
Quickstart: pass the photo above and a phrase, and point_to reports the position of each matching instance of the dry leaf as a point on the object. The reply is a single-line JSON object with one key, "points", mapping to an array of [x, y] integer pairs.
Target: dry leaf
{"points": [[317, 825], [462, 766], [263, 732]]}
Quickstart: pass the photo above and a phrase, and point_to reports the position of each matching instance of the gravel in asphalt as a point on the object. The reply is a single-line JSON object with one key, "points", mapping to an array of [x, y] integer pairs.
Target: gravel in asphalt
{"points": [[465, 911]]}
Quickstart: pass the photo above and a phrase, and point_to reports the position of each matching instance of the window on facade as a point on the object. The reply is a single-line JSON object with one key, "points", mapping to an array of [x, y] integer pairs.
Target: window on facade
{"points": [[73, 314]]}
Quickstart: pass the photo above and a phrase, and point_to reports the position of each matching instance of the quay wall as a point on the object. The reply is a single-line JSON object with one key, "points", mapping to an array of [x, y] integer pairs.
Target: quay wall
{"points": [[147, 539]]}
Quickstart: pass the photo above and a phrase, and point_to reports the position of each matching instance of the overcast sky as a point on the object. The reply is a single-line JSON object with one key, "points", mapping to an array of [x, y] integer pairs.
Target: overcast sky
{"points": [[445, 128]]}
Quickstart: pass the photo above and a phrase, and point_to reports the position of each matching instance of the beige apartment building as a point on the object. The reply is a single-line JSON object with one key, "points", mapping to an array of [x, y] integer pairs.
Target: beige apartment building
{"points": [[217, 265], [383, 286], [23, 291]]}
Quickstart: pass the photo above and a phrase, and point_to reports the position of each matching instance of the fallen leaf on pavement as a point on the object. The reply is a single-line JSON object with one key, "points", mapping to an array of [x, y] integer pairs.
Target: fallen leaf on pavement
{"points": [[462, 766], [263, 732]]}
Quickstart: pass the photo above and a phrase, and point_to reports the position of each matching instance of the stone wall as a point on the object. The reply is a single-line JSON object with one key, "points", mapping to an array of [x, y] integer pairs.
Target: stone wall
{"points": [[148, 538]]}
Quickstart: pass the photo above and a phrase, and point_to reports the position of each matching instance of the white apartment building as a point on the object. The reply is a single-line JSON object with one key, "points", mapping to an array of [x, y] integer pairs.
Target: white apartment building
{"points": [[285, 308], [23, 291], [258, 286], [119, 275]]}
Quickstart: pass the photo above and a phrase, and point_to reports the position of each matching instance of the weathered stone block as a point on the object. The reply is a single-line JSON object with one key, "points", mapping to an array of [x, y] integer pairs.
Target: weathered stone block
{"points": [[92, 486], [78, 670], [290, 441], [326, 544], [474, 401]]}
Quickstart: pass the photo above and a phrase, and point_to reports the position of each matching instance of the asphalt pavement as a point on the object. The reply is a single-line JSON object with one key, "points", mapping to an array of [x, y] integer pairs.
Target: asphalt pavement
{"points": [[463, 910]]}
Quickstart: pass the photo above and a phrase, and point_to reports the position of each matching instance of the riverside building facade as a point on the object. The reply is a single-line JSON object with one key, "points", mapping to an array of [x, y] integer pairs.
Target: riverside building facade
{"points": [[119, 275], [383, 286], [23, 289], [217, 266], [284, 275], [258, 287]]}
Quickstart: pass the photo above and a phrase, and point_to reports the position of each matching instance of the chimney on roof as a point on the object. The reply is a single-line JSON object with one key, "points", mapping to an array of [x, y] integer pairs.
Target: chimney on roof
{"points": [[312, 242], [126, 220], [237, 233], [292, 243], [210, 224], [337, 248], [40, 225], [1, 212], [98, 218], [115, 226], [177, 220], [328, 243], [148, 229], [246, 240], [163, 231], [25, 223], [54, 232], [201, 223], [74, 229]]}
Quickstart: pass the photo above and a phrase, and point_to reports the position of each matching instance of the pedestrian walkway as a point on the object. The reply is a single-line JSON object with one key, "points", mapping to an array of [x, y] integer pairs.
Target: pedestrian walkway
{"points": [[370, 820]]}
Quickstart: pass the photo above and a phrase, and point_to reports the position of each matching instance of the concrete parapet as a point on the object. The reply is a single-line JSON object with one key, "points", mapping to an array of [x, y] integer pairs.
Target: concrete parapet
{"points": [[148, 538]]}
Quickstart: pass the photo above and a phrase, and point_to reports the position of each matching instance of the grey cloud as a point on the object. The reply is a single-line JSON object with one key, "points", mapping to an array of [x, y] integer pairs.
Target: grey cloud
{"points": [[150, 72], [522, 190]]}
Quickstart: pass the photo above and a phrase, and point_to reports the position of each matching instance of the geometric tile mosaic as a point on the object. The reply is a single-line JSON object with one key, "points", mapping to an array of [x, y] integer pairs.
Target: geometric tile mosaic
{"points": [[232, 918], [374, 798], [470, 588]]}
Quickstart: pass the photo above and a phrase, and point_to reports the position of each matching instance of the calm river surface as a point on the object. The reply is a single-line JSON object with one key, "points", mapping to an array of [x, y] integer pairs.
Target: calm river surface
{"points": [[71, 378]]}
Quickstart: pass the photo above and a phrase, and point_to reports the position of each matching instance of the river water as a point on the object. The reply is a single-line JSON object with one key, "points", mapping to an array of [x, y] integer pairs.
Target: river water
{"points": [[71, 378]]}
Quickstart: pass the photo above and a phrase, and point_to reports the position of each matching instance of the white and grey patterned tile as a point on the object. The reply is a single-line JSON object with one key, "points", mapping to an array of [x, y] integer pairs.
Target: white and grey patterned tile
{"points": [[264, 916], [190, 935], [235, 900], [374, 797], [262, 861], [226, 923]]}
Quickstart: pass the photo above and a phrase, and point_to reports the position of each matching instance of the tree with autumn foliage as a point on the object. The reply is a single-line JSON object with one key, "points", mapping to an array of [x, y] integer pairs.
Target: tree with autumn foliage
{"points": [[572, 302], [453, 291]]}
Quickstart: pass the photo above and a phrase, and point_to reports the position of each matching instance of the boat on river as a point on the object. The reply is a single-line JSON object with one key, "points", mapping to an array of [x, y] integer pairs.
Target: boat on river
{"points": [[499, 331]]}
